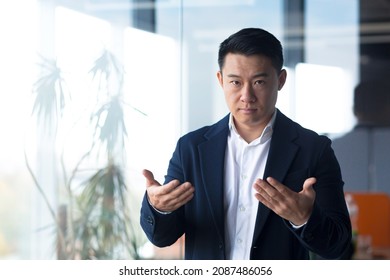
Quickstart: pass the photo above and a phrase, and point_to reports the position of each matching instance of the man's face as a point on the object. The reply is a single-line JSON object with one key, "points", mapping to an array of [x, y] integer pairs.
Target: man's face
{"points": [[251, 86]]}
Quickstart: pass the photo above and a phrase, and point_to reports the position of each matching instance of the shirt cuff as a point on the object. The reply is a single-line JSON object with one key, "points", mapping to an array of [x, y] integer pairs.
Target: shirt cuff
{"points": [[294, 226]]}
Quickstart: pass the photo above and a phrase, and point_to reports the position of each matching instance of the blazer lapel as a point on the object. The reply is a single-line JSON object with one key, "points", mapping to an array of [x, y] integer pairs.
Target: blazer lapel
{"points": [[281, 154], [212, 161]]}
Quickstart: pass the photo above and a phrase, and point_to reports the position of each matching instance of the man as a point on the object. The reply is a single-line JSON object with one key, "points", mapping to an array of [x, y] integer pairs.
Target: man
{"points": [[364, 152], [255, 185]]}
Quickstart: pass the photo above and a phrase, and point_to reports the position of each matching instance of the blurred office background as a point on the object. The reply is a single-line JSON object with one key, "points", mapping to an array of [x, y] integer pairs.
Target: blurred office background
{"points": [[69, 66]]}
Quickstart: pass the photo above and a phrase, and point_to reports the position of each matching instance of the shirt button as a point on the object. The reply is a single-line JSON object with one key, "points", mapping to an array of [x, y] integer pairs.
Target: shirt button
{"points": [[242, 208], [239, 240]]}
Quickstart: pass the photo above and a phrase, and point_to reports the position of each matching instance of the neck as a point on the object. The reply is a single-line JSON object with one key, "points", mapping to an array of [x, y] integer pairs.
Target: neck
{"points": [[250, 134], [252, 131]]}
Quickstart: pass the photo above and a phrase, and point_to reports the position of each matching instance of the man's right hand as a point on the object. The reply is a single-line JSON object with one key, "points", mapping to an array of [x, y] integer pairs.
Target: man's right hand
{"points": [[169, 197]]}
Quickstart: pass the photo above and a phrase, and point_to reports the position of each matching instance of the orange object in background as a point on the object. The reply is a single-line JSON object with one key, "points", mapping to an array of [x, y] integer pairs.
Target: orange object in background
{"points": [[373, 217]]}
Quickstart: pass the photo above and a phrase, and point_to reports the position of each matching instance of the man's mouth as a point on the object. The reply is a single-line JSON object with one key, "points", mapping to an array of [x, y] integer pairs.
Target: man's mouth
{"points": [[247, 110]]}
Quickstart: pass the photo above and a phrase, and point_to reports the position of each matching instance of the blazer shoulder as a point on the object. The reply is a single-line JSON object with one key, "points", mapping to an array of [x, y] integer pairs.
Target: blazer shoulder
{"points": [[207, 132], [286, 126]]}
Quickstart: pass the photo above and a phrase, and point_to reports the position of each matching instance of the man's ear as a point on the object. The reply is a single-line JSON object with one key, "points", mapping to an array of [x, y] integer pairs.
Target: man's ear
{"points": [[220, 78], [282, 78]]}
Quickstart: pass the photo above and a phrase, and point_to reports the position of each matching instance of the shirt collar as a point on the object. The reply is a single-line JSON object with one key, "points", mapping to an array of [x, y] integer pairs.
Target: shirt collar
{"points": [[265, 135]]}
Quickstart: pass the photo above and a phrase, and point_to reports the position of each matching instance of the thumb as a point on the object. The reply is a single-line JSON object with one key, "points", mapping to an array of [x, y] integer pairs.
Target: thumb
{"points": [[150, 181], [308, 185]]}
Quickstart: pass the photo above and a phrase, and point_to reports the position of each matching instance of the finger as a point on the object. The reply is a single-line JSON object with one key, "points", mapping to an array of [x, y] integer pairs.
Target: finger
{"points": [[150, 181], [266, 200], [278, 186], [182, 198], [172, 187], [274, 194], [270, 186], [171, 200], [264, 189]]}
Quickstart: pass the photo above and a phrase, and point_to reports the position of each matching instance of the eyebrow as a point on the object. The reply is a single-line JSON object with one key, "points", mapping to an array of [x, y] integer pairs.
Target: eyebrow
{"points": [[258, 75]]}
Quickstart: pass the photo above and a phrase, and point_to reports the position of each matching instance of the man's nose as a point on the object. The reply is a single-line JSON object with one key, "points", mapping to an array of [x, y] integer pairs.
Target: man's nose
{"points": [[247, 94]]}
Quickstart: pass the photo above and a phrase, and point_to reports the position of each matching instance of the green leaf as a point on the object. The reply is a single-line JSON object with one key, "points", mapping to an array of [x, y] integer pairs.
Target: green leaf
{"points": [[49, 94]]}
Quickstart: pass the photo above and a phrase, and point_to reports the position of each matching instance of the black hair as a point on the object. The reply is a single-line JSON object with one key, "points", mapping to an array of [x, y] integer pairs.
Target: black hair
{"points": [[252, 41]]}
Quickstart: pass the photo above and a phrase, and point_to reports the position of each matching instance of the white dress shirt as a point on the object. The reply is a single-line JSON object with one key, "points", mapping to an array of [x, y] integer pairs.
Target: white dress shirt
{"points": [[244, 163]]}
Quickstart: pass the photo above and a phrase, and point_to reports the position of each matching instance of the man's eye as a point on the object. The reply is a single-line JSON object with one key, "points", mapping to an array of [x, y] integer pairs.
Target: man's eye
{"points": [[259, 82], [235, 83]]}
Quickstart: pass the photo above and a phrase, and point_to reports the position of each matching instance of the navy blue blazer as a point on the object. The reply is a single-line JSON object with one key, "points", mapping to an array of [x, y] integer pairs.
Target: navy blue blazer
{"points": [[295, 155]]}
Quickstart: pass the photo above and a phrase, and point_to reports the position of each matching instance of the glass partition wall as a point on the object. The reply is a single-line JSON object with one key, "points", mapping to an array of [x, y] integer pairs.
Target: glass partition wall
{"points": [[93, 91]]}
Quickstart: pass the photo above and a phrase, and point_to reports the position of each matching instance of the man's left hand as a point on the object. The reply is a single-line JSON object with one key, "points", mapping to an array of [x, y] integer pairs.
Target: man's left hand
{"points": [[292, 206]]}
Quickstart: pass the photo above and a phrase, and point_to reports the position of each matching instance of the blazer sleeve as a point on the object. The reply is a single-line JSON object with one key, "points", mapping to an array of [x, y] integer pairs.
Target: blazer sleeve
{"points": [[164, 229], [328, 231]]}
